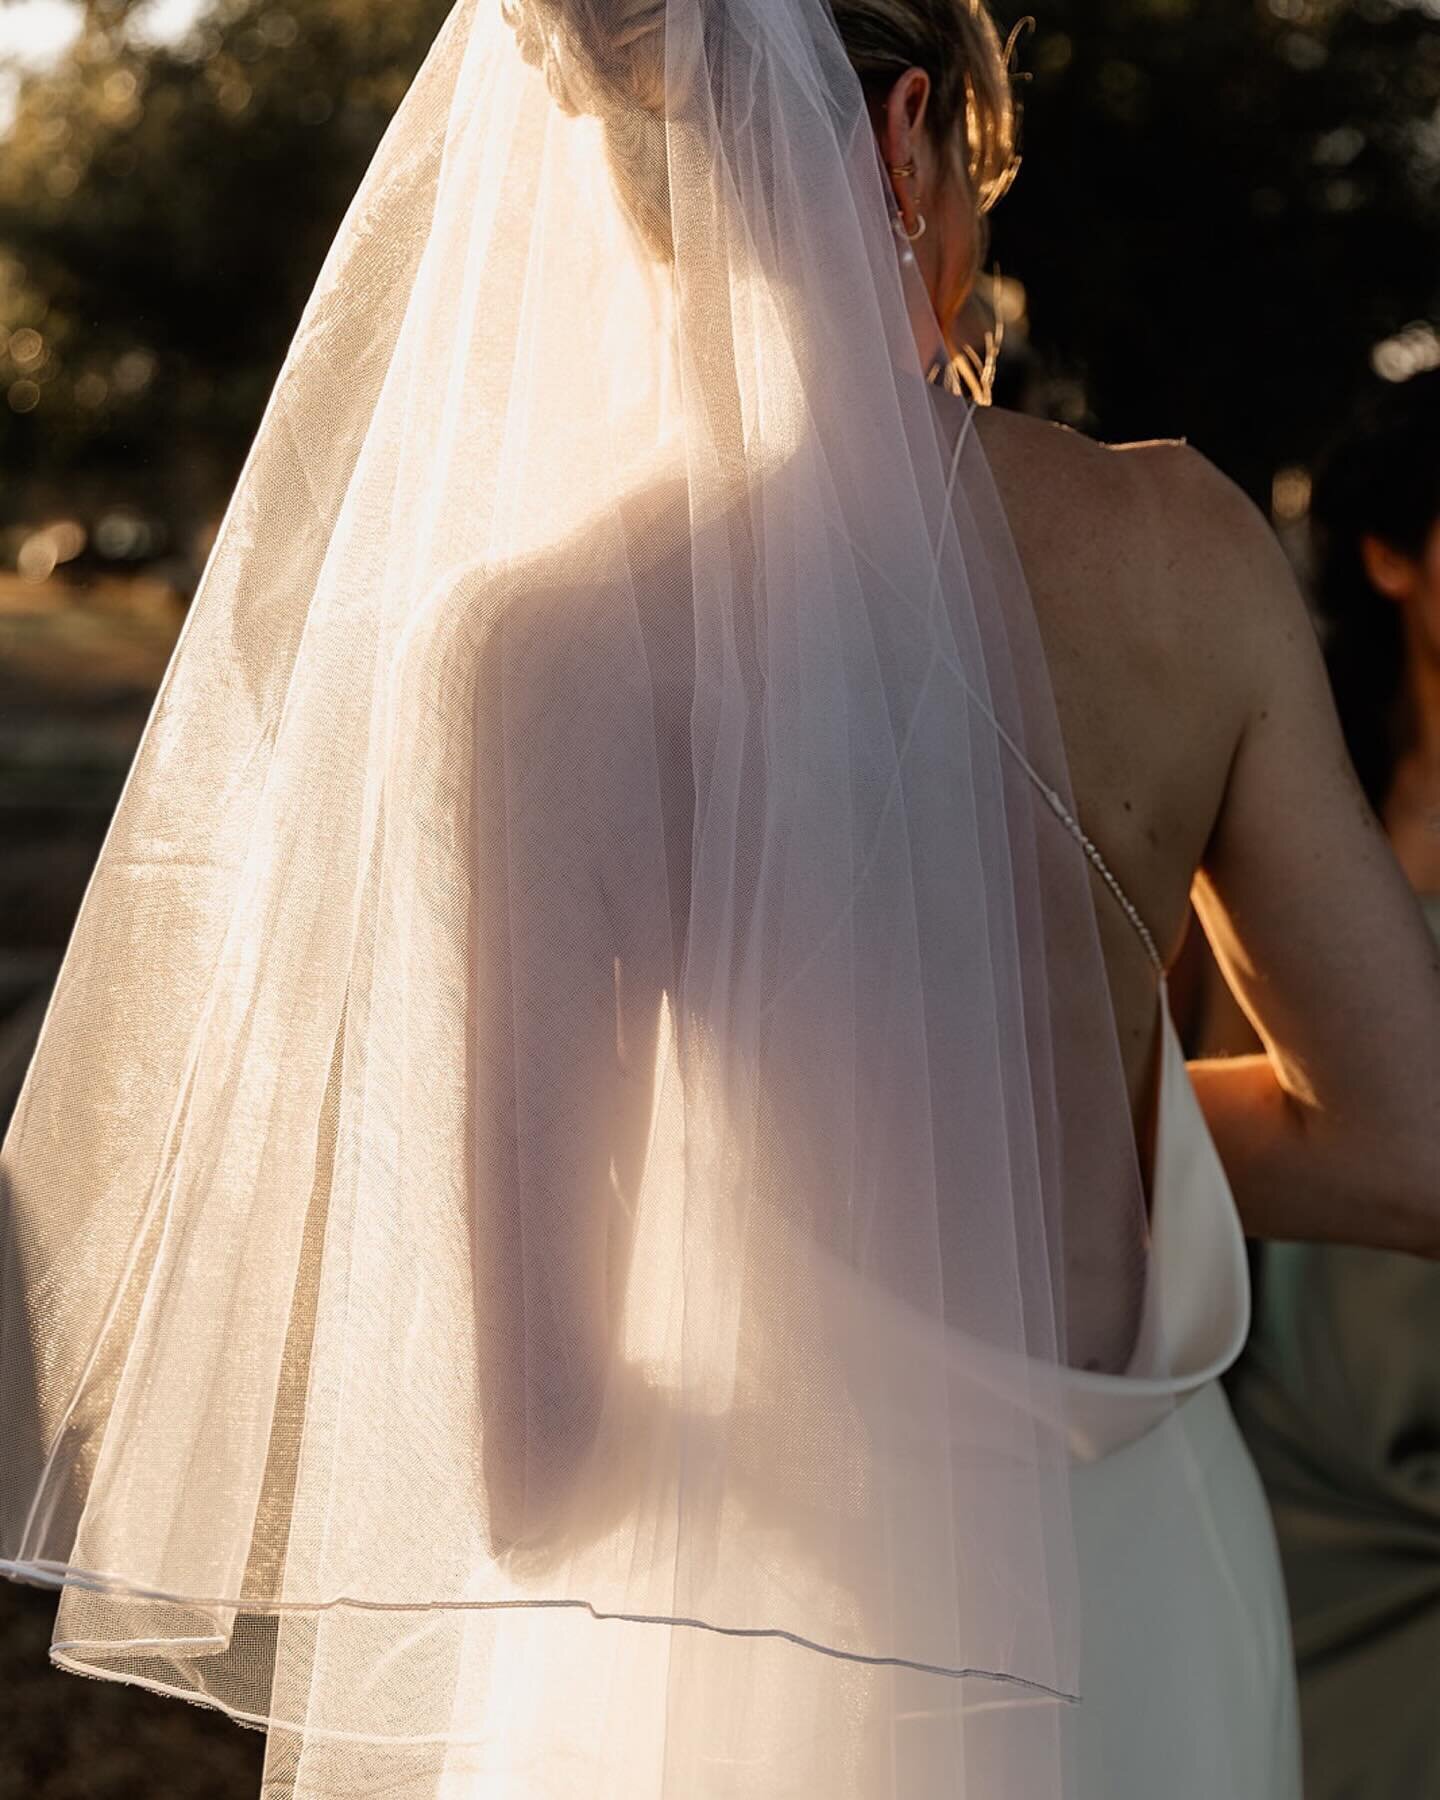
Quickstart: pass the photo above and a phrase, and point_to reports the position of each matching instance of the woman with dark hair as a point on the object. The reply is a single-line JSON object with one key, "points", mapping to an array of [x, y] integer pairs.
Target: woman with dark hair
{"points": [[1339, 1394], [1375, 517]]}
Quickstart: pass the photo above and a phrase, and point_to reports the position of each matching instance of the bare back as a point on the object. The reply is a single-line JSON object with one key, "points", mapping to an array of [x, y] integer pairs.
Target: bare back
{"points": [[1149, 712], [1205, 757]]}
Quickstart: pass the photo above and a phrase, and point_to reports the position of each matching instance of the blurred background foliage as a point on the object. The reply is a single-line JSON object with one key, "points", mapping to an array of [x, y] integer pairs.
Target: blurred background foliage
{"points": [[163, 211], [1225, 206]]}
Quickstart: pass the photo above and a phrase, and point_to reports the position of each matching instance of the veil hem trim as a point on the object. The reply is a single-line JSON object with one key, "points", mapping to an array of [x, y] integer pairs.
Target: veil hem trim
{"points": [[66, 1653]]}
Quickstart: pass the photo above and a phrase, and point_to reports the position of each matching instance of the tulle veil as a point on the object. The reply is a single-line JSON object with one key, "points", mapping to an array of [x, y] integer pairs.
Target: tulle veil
{"points": [[535, 1235]]}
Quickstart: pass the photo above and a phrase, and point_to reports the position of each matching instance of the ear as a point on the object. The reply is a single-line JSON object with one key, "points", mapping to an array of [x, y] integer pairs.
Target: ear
{"points": [[1389, 571], [901, 123]]}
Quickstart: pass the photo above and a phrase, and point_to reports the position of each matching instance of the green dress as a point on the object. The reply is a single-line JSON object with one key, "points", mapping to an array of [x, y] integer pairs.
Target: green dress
{"points": [[1339, 1399]]}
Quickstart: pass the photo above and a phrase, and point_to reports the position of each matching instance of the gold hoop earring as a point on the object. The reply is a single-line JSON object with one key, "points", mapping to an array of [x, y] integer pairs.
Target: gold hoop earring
{"points": [[913, 237], [905, 170]]}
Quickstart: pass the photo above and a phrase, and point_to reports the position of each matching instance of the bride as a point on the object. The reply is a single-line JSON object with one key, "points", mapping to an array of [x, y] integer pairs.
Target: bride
{"points": [[608, 1203]]}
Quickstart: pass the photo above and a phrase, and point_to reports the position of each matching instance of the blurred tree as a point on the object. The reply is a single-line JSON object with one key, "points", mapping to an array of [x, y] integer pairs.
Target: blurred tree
{"points": [[163, 211], [1224, 204]]}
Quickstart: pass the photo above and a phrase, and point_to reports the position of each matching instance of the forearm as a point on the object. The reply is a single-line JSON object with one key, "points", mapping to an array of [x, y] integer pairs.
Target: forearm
{"points": [[1302, 1175]]}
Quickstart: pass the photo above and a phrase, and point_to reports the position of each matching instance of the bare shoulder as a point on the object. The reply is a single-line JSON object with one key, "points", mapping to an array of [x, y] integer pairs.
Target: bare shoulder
{"points": [[1152, 577], [1162, 490], [1027, 453], [1104, 514], [1158, 524], [1208, 524]]}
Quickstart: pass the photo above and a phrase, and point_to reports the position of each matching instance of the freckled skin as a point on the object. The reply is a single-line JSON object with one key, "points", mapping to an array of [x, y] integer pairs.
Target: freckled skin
{"points": [[1204, 751]]}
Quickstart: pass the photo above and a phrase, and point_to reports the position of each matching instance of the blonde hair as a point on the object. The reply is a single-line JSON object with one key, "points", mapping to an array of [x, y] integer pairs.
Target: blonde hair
{"points": [[607, 57]]}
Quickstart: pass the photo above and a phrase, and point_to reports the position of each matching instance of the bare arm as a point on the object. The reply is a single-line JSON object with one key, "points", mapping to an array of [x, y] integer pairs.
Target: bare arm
{"points": [[557, 1110], [1333, 1134]]}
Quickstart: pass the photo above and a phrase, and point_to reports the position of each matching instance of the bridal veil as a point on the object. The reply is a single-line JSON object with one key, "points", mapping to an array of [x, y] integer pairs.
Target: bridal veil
{"points": [[536, 1255]]}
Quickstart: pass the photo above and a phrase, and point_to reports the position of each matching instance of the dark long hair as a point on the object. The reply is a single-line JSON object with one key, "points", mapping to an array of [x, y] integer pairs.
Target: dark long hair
{"points": [[1381, 479]]}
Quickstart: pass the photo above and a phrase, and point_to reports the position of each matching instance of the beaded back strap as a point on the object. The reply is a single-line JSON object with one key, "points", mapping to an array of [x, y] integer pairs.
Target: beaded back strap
{"points": [[1052, 798]]}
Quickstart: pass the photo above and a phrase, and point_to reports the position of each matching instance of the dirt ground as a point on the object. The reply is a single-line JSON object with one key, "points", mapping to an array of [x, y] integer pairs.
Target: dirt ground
{"points": [[78, 672], [69, 1738], [79, 666]]}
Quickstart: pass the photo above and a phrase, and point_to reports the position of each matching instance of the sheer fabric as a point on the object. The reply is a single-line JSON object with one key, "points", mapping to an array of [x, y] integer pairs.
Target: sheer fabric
{"points": [[581, 1124]]}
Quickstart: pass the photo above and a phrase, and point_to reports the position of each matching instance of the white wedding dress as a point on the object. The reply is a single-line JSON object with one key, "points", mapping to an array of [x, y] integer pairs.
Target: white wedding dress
{"points": [[1187, 1688], [1187, 1677], [1187, 1684]]}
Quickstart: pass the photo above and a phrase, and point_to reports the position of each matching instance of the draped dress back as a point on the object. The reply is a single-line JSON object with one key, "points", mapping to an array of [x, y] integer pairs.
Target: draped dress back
{"points": [[1175, 1541]]}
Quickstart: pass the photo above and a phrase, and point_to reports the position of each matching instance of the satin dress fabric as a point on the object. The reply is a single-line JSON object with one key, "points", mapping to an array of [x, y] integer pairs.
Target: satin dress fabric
{"points": [[1187, 1672]]}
